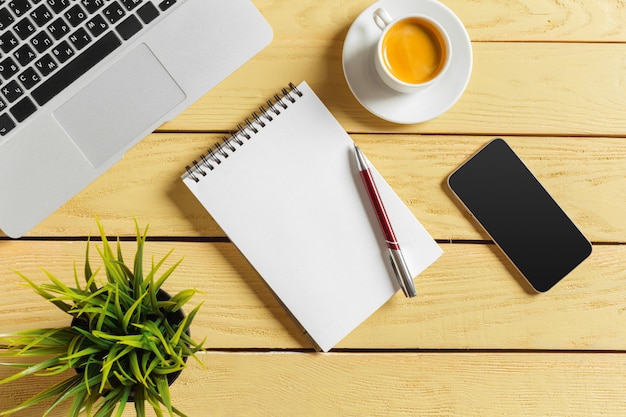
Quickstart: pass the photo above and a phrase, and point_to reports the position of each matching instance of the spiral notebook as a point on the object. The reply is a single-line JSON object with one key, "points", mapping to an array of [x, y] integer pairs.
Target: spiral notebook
{"points": [[286, 191]]}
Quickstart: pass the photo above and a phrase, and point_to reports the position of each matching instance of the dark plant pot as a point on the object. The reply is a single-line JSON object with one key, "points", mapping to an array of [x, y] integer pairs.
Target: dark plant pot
{"points": [[175, 317]]}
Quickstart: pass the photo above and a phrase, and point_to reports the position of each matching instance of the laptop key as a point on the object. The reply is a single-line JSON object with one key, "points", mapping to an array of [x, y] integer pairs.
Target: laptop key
{"points": [[114, 13], [24, 54], [8, 68], [6, 124], [41, 41], [41, 15], [46, 65], [59, 28], [75, 68], [6, 18], [29, 78], [166, 4], [8, 41], [92, 5], [129, 27], [19, 7], [97, 25], [75, 15], [131, 4], [148, 12], [23, 109], [24, 28], [62, 52], [58, 5], [80, 38], [12, 91]]}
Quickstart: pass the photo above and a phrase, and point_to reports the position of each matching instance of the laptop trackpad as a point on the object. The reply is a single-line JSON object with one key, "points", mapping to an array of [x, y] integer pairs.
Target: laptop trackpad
{"points": [[122, 103]]}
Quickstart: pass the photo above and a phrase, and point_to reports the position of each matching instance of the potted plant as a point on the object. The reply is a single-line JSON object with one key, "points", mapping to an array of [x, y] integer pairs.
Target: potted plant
{"points": [[127, 341]]}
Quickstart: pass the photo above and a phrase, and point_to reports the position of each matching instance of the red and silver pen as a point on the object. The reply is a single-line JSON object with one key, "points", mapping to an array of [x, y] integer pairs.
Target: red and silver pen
{"points": [[398, 263]]}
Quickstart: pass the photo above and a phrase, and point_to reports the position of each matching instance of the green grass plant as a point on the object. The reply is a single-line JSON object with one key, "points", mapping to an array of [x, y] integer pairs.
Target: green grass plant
{"points": [[122, 345]]}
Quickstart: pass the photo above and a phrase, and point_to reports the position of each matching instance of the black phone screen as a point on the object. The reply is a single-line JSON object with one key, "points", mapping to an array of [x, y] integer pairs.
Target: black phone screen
{"points": [[519, 215]]}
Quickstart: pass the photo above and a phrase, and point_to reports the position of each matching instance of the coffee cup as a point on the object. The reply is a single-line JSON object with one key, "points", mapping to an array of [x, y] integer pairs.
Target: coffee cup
{"points": [[413, 51]]}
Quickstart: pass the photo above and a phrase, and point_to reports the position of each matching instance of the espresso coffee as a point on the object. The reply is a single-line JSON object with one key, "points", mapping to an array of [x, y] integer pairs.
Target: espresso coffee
{"points": [[414, 51]]}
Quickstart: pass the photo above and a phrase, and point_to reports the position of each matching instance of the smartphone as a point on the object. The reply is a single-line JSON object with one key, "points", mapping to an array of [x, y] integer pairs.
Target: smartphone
{"points": [[519, 215]]}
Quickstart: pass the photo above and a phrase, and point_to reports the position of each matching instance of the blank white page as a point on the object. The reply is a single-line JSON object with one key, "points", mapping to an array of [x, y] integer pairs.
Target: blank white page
{"points": [[291, 199]]}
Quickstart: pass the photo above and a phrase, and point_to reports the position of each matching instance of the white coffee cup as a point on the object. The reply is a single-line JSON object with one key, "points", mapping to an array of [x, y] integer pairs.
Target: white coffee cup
{"points": [[413, 51]]}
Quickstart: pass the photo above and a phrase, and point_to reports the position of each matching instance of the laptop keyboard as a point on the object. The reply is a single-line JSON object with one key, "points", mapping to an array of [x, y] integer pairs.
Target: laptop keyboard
{"points": [[45, 45]]}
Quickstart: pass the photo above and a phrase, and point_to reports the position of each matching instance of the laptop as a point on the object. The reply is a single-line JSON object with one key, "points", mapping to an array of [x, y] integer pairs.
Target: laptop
{"points": [[82, 81]]}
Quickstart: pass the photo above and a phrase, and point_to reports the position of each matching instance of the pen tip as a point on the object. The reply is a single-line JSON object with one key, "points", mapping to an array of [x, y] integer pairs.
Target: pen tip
{"points": [[359, 153], [360, 159]]}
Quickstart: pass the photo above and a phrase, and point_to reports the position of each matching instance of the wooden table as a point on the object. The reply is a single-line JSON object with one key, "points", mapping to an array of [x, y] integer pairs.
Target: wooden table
{"points": [[549, 76]]}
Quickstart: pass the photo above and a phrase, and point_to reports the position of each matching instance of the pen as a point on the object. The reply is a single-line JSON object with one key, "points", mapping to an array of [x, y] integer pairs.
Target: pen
{"points": [[396, 257]]}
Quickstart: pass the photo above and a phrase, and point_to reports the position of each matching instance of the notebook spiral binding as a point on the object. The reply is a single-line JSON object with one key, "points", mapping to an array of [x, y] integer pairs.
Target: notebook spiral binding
{"points": [[245, 131]]}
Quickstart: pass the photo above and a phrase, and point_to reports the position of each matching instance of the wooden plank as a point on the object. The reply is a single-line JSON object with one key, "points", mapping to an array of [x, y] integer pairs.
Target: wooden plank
{"points": [[585, 175], [542, 20], [515, 88], [469, 299], [485, 20], [391, 384]]}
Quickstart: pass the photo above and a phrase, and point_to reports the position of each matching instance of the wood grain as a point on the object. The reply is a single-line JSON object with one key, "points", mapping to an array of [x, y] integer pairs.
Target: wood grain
{"points": [[392, 384], [548, 75], [585, 175], [532, 61], [537, 20], [485, 20], [515, 88], [469, 299]]}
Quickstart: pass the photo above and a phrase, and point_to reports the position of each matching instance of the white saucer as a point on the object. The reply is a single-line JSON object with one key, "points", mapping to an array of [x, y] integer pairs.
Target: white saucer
{"points": [[406, 108]]}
